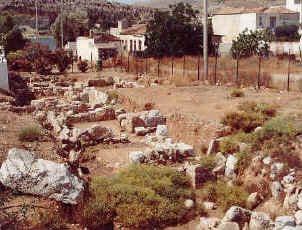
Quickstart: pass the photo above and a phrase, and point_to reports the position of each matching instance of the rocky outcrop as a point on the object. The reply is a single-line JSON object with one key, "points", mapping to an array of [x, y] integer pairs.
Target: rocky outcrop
{"points": [[23, 172]]}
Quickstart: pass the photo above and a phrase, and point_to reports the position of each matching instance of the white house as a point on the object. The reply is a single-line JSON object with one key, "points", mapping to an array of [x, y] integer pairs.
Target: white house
{"points": [[132, 38], [229, 22], [90, 48], [295, 5], [3, 71]]}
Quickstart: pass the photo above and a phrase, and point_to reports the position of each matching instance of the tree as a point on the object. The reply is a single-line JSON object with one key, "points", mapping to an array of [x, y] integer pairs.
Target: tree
{"points": [[175, 33], [62, 60], [249, 43], [74, 25], [83, 66]]}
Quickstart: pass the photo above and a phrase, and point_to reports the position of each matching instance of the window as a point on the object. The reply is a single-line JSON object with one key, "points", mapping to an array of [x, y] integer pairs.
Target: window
{"points": [[134, 45], [131, 45], [139, 45], [297, 1]]}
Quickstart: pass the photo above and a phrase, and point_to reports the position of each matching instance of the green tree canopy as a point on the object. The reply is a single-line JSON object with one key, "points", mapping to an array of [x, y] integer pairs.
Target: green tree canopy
{"points": [[175, 33], [74, 25], [10, 36], [251, 42]]}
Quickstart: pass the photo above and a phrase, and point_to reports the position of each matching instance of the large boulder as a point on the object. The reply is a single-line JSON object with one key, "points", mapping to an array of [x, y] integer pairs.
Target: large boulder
{"points": [[23, 172], [283, 221], [238, 215], [231, 166], [136, 157]]}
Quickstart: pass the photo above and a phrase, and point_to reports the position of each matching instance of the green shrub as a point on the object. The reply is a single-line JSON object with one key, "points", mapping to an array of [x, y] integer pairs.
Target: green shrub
{"points": [[237, 93], [30, 133], [208, 162], [228, 146], [242, 121], [225, 196], [138, 197], [244, 160]]}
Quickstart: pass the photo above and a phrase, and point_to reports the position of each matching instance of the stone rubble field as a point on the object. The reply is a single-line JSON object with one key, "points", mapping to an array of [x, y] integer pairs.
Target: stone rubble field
{"points": [[75, 113]]}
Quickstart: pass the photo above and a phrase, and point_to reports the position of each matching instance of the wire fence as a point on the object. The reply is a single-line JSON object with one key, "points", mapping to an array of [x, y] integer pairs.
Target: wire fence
{"points": [[281, 72]]}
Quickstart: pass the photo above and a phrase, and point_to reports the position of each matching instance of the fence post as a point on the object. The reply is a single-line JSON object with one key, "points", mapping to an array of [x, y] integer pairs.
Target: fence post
{"points": [[215, 66], [128, 67], [121, 60], [288, 71], [91, 59], [146, 64], [158, 62], [72, 59], [184, 67], [259, 71], [198, 68], [135, 58], [172, 66], [237, 70]]}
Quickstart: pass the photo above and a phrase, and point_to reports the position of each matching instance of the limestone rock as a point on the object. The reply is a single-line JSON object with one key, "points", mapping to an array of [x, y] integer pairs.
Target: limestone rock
{"points": [[162, 130], [209, 223], [253, 200], [276, 189], [231, 166], [136, 157], [228, 226], [259, 221], [298, 217], [238, 215], [189, 203], [282, 221], [23, 172]]}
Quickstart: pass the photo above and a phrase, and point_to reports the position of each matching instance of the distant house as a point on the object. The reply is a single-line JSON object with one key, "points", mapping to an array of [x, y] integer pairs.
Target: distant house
{"points": [[294, 5], [132, 38], [92, 48], [229, 22], [3, 71]]}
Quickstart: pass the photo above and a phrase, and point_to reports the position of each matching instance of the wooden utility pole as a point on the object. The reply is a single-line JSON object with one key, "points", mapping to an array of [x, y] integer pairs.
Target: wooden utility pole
{"points": [[259, 72], [205, 39], [37, 29], [62, 34]]}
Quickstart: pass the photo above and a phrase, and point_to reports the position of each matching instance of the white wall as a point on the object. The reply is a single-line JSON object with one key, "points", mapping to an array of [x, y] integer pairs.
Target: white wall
{"points": [[285, 47], [3, 74], [86, 49], [231, 25], [290, 4]]}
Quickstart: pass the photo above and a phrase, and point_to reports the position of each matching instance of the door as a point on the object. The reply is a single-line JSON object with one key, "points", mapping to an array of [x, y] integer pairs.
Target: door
{"points": [[272, 22]]}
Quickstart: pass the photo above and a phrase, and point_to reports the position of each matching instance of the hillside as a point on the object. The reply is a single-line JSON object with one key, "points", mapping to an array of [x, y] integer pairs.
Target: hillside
{"points": [[213, 3]]}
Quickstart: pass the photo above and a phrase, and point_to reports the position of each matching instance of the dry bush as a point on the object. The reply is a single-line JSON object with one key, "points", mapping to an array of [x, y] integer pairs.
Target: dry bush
{"points": [[237, 93], [30, 133]]}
